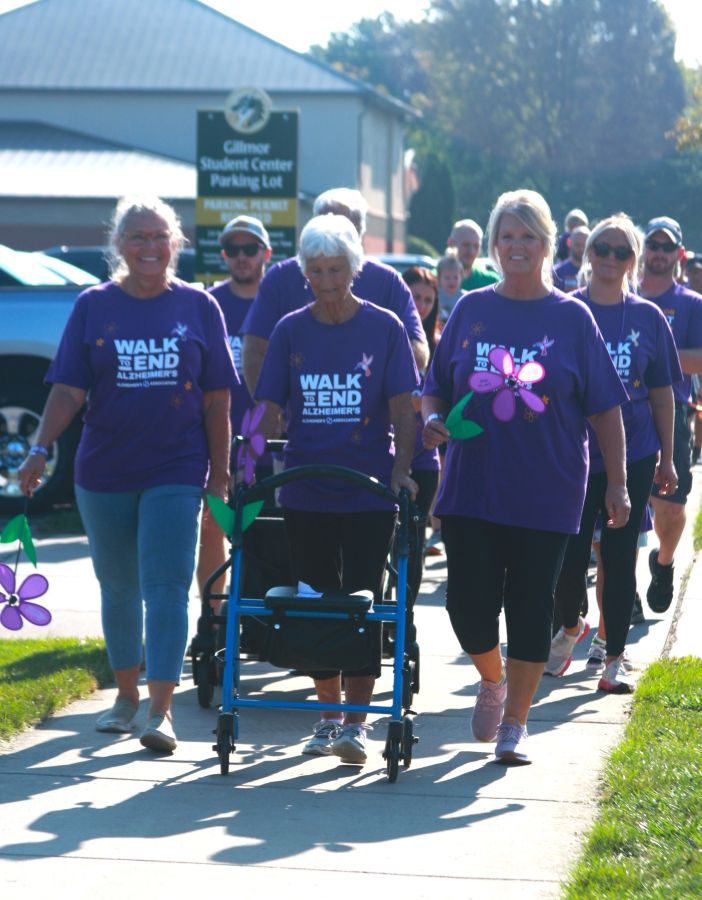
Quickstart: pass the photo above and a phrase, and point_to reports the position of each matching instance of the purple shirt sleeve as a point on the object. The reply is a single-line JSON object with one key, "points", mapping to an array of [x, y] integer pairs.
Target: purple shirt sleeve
{"points": [[71, 365]]}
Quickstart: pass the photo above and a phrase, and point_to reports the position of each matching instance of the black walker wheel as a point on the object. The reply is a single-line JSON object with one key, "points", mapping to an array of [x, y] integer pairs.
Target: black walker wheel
{"points": [[202, 676]]}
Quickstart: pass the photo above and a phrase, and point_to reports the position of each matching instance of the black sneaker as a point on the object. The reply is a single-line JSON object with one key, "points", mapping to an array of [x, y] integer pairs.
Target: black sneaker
{"points": [[660, 591], [637, 613]]}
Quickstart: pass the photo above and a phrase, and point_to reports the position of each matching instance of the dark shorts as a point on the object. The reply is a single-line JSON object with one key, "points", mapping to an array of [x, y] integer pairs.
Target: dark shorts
{"points": [[681, 457]]}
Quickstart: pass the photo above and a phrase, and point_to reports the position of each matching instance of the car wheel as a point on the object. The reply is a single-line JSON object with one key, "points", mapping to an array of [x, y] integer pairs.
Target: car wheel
{"points": [[20, 414]]}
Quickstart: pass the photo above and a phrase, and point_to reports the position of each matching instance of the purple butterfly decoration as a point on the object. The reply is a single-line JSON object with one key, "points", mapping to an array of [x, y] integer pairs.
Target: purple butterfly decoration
{"points": [[254, 442], [509, 384], [18, 605]]}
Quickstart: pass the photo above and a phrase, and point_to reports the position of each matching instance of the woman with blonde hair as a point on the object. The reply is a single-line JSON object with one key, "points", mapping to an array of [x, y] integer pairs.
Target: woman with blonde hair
{"points": [[641, 346], [524, 368], [148, 356]]}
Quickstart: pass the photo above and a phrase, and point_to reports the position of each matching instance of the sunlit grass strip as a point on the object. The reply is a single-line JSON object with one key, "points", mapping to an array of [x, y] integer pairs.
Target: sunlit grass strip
{"points": [[647, 840], [39, 677], [697, 533]]}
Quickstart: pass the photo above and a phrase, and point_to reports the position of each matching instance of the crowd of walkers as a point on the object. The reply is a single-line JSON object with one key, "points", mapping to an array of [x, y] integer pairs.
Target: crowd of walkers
{"points": [[525, 401]]}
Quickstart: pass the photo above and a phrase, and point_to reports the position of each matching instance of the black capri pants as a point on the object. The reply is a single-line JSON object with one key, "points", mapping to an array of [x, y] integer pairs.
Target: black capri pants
{"points": [[491, 566], [618, 548], [340, 551]]}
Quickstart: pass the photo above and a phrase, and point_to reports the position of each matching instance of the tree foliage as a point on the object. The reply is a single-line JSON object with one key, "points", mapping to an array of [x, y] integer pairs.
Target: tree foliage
{"points": [[579, 99]]}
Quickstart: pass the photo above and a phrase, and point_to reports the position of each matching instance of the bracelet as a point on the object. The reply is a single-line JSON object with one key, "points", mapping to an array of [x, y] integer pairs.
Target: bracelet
{"points": [[38, 450], [432, 417]]}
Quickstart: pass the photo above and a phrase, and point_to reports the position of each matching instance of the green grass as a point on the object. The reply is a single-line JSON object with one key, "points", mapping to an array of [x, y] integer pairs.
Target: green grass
{"points": [[647, 840], [697, 531], [39, 677]]}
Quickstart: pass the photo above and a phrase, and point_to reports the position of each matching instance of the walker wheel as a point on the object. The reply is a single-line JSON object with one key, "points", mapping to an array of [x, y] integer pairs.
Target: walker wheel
{"points": [[202, 671]]}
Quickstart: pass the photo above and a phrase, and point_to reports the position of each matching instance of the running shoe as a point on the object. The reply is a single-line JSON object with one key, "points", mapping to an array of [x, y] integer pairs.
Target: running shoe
{"points": [[615, 679], [120, 718], [511, 745], [350, 745], [637, 613], [561, 654], [488, 709], [320, 744], [597, 654], [660, 591]]}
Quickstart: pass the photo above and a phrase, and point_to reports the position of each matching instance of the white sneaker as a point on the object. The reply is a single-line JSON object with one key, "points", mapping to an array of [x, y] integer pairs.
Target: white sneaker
{"points": [[561, 654], [615, 679], [350, 745], [511, 745], [320, 744]]}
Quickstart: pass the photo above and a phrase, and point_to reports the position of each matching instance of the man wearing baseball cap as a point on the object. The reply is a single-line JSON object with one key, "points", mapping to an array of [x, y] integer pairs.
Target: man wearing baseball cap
{"points": [[663, 253], [246, 248]]}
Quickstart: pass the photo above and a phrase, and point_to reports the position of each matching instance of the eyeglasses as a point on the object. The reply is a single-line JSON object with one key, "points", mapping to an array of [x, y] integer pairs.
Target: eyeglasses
{"points": [[603, 249], [233, 250], [665, 246]]}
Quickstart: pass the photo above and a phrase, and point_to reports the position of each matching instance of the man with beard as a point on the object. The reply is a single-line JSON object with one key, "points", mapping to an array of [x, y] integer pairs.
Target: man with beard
{"points": [[565, 274], [663, 252], [246, 248]]}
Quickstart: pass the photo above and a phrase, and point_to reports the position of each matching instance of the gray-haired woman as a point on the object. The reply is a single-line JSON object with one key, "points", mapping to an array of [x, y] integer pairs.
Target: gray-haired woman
{"points": [[148, 356], [342, 370]]}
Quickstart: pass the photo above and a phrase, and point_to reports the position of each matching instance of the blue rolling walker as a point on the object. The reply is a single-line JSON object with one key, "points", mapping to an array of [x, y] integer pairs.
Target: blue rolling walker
{"points": [[354, 619]]}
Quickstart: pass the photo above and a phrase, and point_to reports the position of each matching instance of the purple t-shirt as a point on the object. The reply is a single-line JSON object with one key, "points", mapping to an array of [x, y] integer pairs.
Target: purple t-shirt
{"points": [[683, 310], [643, 351], [235, 309], [284, 288], [335, 382], [529, 466], [145, 365], [565, 275]]}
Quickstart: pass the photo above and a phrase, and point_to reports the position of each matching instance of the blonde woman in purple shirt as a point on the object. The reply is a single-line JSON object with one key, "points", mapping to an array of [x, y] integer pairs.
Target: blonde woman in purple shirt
{"points": [[534, 369], [148, 356]]}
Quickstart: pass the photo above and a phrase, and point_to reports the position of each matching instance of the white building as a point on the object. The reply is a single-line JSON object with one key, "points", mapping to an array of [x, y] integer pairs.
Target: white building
{"points": [[98, 98]]}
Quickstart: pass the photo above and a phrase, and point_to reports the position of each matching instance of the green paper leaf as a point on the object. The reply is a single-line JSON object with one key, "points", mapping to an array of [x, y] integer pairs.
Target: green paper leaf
{"points": [[28, 543], [221, 513], [465, 429], [13, 530], [224, 514], [458, 427], [249, 513]]}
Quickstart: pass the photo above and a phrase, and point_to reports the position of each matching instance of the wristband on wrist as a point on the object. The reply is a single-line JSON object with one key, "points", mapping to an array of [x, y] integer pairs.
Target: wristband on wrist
{"points": [[39, 450], [432, 417]]}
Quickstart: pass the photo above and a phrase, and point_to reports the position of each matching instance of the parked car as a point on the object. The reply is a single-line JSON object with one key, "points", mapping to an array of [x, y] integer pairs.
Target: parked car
{"points": [[94, 260], [404, 261], [20, 268]]}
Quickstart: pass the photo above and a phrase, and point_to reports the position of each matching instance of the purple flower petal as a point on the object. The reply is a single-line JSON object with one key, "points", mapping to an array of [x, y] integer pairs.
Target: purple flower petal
{"points": [[504, 405], [532, 400], [241, 456], [531, 372], [502, 360], [7, 578], [249, 469], [245, 422], [484, 382], [258, 444], [33, 586], [11, 618], [37, 615]]}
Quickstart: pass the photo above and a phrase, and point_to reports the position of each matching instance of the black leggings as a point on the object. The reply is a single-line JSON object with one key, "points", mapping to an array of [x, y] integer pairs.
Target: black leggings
{"points": [[332, 551], [618, 549], [492, 565]]}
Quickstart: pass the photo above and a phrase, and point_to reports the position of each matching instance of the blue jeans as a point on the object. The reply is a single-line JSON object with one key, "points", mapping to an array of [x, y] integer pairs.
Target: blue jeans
{"points": [[142, 545]]}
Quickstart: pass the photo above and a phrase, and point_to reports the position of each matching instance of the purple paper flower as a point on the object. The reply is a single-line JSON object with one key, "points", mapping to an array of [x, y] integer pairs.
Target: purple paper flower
{"points": [[18, 604], [255, 442], [509, 384]]}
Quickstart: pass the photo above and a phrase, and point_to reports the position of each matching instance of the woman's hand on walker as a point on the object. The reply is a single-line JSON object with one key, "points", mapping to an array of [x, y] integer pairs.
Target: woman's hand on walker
{"points": [[400, 480]]}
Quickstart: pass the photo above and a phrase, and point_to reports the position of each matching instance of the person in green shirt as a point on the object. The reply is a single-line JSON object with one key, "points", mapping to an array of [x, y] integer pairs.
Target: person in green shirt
{"points": [[467, 237]]}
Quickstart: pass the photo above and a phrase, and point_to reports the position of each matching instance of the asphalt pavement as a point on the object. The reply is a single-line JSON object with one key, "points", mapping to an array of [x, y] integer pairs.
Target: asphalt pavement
{"points": [[88, 814]]}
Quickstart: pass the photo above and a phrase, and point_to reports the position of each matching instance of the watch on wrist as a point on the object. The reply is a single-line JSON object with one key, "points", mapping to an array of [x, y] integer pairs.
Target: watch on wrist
{"points": [[432, 417], [38, 450]]}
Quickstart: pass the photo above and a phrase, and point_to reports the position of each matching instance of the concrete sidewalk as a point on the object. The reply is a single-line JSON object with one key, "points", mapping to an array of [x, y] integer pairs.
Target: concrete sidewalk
{"points": [[97, 814]]}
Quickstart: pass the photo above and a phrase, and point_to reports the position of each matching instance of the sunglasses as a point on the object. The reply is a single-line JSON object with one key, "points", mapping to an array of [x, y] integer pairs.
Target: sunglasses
{"points": [[233, 250], [602, 249], [665, 246]]}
